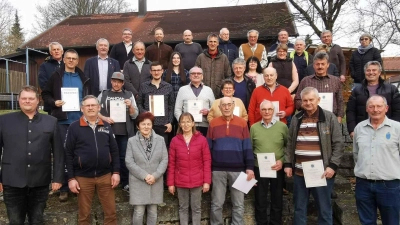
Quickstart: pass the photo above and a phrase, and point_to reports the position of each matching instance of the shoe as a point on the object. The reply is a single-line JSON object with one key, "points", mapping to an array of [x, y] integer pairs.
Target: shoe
{"points": [[63, 196], [126, 188], [285, 192]]}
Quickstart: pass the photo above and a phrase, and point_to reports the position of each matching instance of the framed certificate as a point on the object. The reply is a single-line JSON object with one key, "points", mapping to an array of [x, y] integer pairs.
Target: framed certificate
{"points": [[156, 104], [236, 111], [71, 98], [276, 110], [313, 171], [265, 162], [118, 111], [326, 101], [194, 107]]}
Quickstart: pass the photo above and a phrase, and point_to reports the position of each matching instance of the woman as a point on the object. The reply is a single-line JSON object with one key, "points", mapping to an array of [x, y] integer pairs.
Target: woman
{"points": [[254, 70], [365, 52], [228, 89], [146, 159], [189, 169], [176, 75], [286, 69], [332, 69]]}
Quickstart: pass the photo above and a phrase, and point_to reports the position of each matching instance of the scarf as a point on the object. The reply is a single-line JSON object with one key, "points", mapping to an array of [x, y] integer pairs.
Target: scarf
{"points": [[362, 50], [147, 144]]}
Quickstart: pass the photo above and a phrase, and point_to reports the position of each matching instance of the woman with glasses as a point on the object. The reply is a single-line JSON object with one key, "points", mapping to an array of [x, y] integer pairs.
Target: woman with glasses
{"points": [[189, 169], [228, 89], [332, 69], [146, 159], [254, 70]]}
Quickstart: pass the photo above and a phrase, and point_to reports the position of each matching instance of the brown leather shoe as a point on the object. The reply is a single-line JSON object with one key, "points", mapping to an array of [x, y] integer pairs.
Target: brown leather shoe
{"points": [[63, 196]]}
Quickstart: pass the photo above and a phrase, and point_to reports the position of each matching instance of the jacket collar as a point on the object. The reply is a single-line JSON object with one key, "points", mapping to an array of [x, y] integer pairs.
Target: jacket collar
{"points": [[83, 123], [321, 115]]}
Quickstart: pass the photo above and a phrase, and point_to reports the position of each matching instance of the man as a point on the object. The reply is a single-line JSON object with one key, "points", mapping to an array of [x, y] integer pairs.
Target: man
{"points": [[277, 133], [121, 130], [189, 50], [137, 69], [252, 48], [226, 46], [122, 51], [196, 90], [92, 162], [273, 92], [51, 63], [214, 63], [244, 86], [371, 85], [159, 51], [323, 82], [336, 55], [156, 87], [314, 134], [29, 145], [301, 58], [68, 76], [229, 141], [376, 155], [100, 68], [283, 38]]}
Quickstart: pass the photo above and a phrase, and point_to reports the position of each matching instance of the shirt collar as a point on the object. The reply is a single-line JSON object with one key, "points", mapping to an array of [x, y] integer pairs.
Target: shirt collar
{"points": [[98, 57], [273, 121], [385, 122], [135, 59], [192, 85]]}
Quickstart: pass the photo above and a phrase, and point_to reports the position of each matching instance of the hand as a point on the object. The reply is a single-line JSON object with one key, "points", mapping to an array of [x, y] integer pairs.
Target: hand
{"points": [[1, 187], [206, 187], [114, 180], [293, 95], [352, 135], [204, 112], [109, 120], [59, 103], [150, 179], [328, 173], [288, 172], [342, 78], [277, 166], [281, 114], [74, 186], [250, 174], [128, 103], [55, 186], [171, 190], [339, 119], [169, 127]]}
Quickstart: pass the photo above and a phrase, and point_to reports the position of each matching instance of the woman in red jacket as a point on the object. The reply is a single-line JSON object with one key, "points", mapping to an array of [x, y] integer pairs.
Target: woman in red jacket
{"points": [[189, 168]]}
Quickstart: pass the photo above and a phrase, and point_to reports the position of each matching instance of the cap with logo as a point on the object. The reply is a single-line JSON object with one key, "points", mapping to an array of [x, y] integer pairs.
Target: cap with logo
{"points": [[118, 75]]}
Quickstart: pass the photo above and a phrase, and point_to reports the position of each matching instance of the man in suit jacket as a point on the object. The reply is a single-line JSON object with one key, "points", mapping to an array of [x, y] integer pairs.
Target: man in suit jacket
{"points": [[100, 68], [122, 51]]}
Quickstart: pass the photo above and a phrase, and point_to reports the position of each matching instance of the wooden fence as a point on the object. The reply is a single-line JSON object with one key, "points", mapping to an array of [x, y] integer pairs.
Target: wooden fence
{"points": [[16, 80]]}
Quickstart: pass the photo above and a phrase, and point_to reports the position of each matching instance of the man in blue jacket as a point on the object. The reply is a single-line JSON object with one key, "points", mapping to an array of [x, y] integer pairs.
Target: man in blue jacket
{"points": [[226, 46], [100, 68]]}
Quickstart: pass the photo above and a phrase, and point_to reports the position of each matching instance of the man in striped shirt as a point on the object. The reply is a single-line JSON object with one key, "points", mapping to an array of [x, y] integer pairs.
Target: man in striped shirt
{"points": [[314, 134]]}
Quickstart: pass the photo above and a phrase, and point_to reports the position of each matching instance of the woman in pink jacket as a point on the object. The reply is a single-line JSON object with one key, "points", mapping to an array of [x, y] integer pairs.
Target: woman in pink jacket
{"points": [[189, 168]]}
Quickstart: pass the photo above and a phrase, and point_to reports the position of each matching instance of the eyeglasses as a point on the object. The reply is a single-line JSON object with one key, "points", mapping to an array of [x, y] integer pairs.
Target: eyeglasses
{"points": [[228, 88], [268, 110], [156, 71], [194, 73], [127, 34], [71, 59], [227, 105], [90, 106], [364, 39]]}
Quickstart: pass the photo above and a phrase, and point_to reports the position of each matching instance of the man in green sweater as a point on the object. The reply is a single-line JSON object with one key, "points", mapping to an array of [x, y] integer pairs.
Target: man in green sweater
{"points": [[277, 133]]}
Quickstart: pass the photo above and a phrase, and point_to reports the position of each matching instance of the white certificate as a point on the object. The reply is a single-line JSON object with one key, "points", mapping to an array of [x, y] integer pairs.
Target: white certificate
{"points": [[313, 171], [194, 107], [265, 162], [326, 101], [242, 184], [71, 98], [236, 111], [276, 110], [118, 111], [156, 105]]}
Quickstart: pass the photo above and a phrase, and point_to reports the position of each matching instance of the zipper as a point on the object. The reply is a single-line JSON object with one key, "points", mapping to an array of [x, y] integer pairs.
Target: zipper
{"points": [[97, 151], [80, 163]]}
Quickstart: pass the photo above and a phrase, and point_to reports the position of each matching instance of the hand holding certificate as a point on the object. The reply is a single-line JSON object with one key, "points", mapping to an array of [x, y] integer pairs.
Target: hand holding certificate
{"points": [[326, 101], [70, 97], [313, 173], [156, 105], [194, 107], [118, 111], [265, 162], [242, 184]]}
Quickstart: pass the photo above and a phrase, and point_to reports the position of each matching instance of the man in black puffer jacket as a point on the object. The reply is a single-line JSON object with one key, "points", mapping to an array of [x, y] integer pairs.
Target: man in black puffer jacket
{"points": [[373, 84]]}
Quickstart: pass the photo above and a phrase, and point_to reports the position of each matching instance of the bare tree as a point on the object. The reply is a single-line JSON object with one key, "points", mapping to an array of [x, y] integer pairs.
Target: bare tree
{"points": [[57, 10], [6, 15]]}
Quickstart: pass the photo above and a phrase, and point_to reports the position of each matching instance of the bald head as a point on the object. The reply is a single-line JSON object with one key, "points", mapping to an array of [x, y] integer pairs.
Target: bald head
{"points": [[187, 36]]}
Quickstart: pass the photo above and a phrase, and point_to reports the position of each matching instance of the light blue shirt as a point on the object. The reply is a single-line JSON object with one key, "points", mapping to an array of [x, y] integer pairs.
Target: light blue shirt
{"points": [[377, 152], [273, 121], [139, 63], [103, 72]]}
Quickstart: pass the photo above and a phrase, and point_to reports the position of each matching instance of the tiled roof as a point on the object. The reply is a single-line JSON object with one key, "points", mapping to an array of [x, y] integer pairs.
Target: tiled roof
{"points": [[83, 31], [391, 63]]}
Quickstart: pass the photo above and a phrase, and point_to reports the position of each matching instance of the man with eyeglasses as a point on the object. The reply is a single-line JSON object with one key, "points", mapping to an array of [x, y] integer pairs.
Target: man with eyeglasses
{"points": [[226, 46], [153, 91], [283, 38], [274, 92], [229, 141], [68, 76], [196, 90], [335, 52], [122, 51]]}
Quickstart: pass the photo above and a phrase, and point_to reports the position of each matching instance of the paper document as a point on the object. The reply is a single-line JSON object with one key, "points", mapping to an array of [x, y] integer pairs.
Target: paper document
{"points": [[118, 111], [265, 162], [194, 107], [156, 105], [242, 184], [71, 98], [313, 171], [276, 110], [326, 101], [236, 111]]}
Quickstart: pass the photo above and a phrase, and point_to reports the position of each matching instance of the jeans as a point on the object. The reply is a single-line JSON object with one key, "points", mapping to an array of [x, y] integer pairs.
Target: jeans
{"points": [[138, 213], [122, 142], [220, 179], [192, 195], [382, 195], [322, 198], [62, 129], [29, 201], [275, 186]]}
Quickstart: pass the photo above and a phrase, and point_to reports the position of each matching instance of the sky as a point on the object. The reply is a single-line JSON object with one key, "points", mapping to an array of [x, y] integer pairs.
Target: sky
{"points": [[27, 10]]}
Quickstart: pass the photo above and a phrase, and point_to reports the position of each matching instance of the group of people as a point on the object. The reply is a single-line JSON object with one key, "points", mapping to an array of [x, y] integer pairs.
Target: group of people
{"points": [[190, 125]]}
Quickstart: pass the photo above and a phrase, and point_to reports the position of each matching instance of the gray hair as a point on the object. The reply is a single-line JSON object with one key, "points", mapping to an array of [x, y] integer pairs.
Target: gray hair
{"points": [[224, 28], [321, 56], [265, 102], [102, 39], [55, 43], [376, 96], [212, 36], [138, 42], [300, 40], [366, 35], [127, 29], [251, 31], [325, 31], [239, 61], [374, 63], [89, 97], [309, 90], [195, 67]]}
